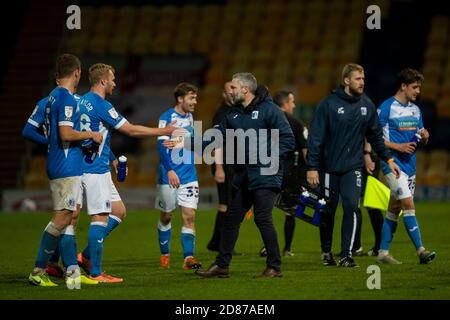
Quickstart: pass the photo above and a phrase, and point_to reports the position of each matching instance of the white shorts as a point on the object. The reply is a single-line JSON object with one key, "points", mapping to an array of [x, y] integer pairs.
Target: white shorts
{"points": [[403, 187], [65, 192], [100, 191], [167, 198], [115, 196]]}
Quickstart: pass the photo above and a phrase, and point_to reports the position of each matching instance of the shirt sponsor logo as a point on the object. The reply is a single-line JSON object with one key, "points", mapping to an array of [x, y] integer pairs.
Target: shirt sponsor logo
{"points": [[407, 125]]}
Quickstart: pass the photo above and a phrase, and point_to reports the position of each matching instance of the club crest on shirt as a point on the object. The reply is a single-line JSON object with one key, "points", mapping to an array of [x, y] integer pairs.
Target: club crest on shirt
{"points": [[340, 110], [113, 113], [363, 111], [255, 114], [68, 111]]}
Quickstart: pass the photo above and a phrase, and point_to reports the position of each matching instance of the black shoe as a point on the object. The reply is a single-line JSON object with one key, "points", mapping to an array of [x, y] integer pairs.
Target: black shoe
{"points": [[263, 252], [213, 271], [328, 259], [348, 262]]}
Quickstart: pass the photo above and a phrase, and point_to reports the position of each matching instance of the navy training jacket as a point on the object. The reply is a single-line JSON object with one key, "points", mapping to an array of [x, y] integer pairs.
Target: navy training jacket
{"points": [[261, 113], [338, 128]]}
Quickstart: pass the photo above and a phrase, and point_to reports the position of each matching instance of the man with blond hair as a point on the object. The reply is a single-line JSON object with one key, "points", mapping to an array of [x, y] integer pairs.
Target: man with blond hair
{"points": [[98, 115], [335, 148]]}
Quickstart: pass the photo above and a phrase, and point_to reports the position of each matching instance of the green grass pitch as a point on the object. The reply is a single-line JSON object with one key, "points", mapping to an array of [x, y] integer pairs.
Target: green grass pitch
{"points": [[132, 252]]}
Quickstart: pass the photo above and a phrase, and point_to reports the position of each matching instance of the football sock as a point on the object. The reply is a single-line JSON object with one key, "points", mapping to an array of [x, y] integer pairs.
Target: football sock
{"points": [[48, 244], [388, 230], [113, 222], [410, 221], [187, 241], [55, 256], [164, 235], [68, 246], [95, 243]]}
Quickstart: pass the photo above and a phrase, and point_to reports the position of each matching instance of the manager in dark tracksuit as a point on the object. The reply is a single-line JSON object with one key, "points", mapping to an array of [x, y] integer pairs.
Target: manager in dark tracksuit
{"points": [[335, 147], [253, 184]]}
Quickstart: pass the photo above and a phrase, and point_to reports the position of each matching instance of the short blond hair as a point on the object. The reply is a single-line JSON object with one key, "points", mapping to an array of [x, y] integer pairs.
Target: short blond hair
{"points": [[98, 71], [349, 68]]}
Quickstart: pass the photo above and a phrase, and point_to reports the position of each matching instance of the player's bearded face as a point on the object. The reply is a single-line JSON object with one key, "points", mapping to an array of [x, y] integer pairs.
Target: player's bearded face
{"points": [[189, 102], [356, 85], [110, 83]]}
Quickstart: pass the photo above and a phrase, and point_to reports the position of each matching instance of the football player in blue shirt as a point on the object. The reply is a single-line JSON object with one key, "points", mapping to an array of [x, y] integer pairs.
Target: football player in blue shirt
{"points": [[177, 180], [63, 167], [66, 245], [403, 130], [35, 121], [98, 115]]}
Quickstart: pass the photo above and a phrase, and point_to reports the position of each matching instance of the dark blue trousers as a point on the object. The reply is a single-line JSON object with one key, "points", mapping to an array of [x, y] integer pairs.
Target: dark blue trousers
{"points": [[346, 186]]}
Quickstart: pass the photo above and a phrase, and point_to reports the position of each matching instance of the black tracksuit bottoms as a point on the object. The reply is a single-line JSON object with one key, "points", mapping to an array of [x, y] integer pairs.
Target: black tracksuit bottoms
{"points": [[262, 201], [346, 186]]}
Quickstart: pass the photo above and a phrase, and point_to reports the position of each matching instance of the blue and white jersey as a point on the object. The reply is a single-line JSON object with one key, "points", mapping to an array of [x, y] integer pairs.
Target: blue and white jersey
{"points": [[64, 158], [37, 118], [184, 166], [400, 123], [98, 114]]}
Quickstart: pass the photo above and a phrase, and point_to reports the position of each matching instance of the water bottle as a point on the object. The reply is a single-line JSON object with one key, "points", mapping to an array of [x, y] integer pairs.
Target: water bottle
{"points": [[90, 150], [299, 211], [417, 137], [320, 207], [122, 169]]}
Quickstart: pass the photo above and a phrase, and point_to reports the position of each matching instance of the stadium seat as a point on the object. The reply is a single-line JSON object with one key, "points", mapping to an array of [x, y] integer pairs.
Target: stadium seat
{"points": [[313, 93], [430, 89], [443, 108], [422, 163], [436, 174]]}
